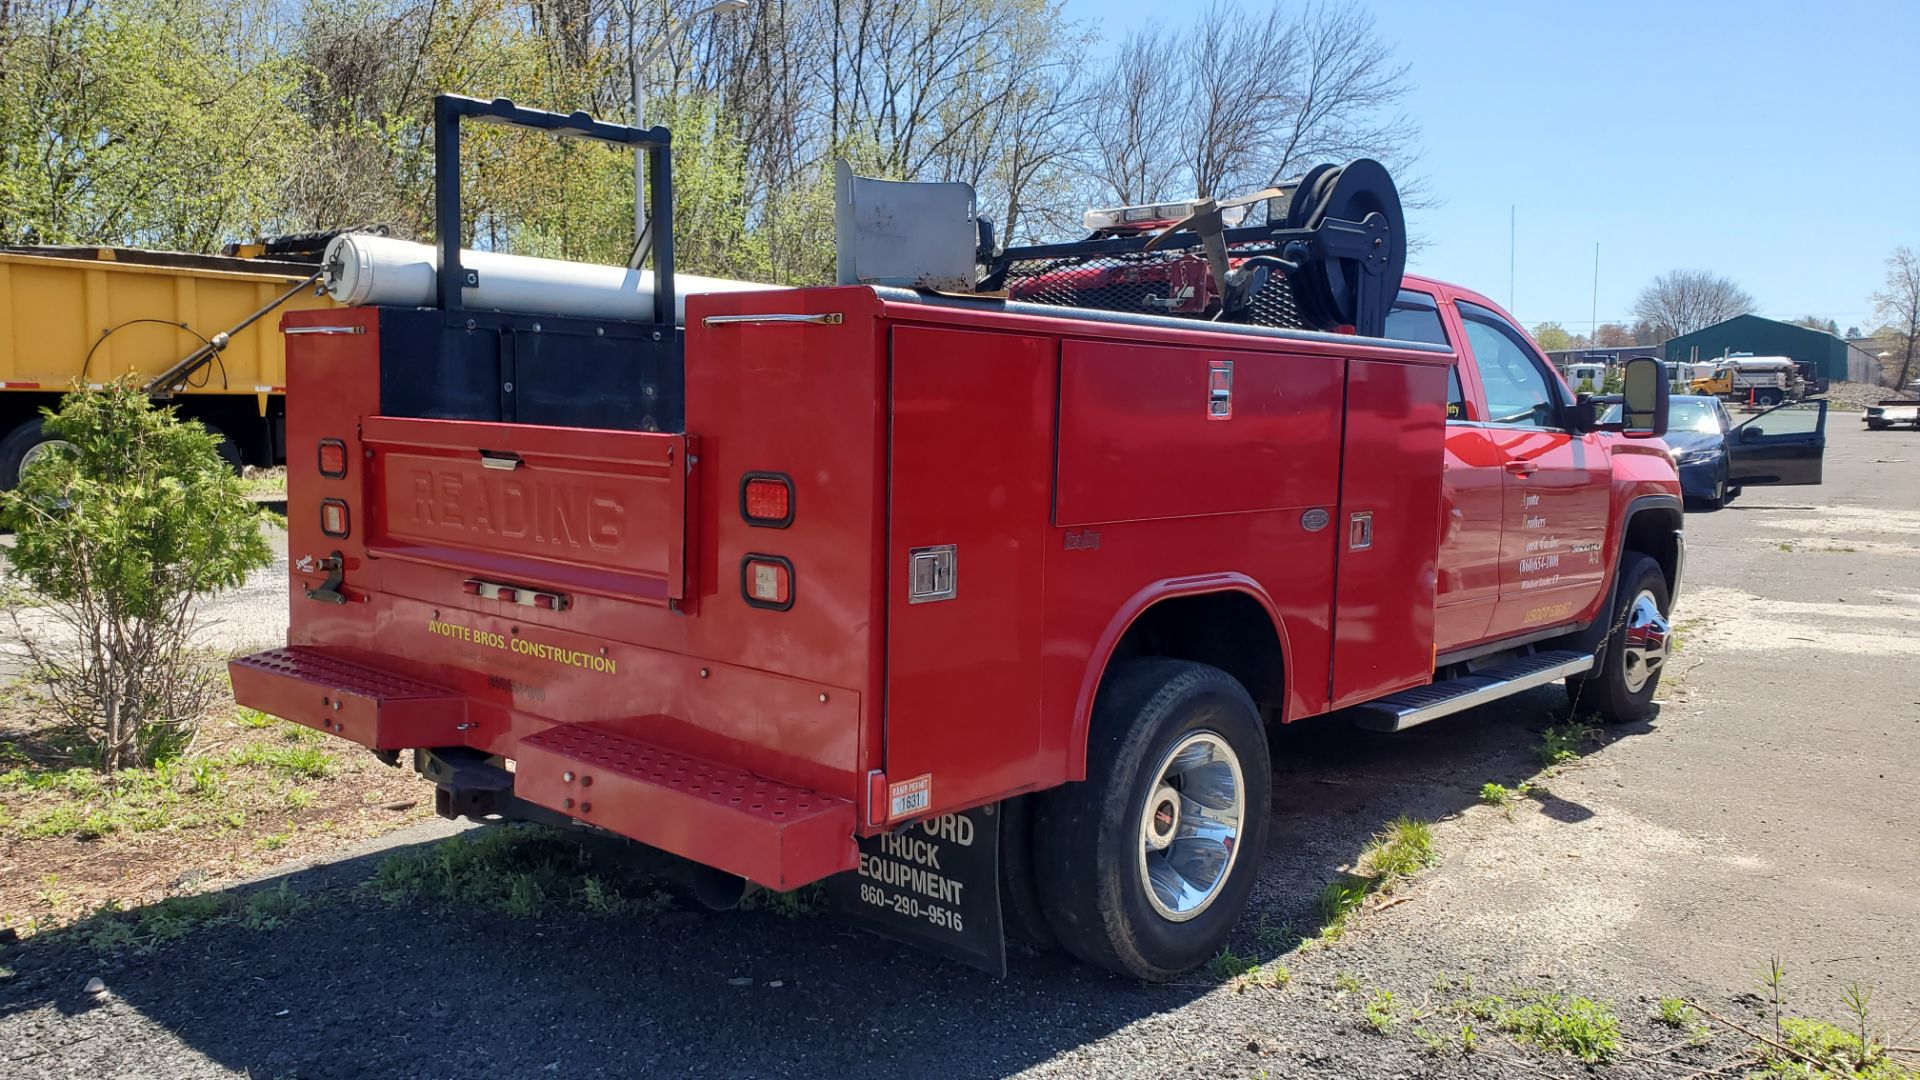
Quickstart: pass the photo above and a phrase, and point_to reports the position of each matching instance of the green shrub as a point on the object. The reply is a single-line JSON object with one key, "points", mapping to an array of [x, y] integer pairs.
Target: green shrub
{"points": [[122, 530]]}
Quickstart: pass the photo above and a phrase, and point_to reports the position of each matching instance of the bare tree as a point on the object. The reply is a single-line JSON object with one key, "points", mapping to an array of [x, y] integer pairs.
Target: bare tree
{"points": [[1243, 100], [1131, 125], [1682, 301], [1899, 304]]}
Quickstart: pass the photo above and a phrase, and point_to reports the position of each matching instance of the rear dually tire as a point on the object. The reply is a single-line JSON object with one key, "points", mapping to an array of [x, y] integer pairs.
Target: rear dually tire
{"points": [[1145, 867]]}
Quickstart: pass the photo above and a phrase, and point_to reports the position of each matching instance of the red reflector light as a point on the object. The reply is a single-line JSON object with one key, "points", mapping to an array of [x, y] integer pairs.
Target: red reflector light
{"points": [[766, 499], [766, 581], [333, 518], [333, 459]]}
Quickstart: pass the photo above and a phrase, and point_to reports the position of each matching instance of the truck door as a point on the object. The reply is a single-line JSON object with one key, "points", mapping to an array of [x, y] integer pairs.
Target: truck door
{"points": [[1785, 445], [1557, 486], [1468, 583]]}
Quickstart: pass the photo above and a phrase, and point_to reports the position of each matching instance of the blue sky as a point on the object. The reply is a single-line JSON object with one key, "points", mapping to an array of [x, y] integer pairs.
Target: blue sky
{"points": [[1777, 143]]}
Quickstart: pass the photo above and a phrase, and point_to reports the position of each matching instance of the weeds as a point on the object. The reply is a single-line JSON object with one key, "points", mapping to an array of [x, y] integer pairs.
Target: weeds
{"points": [[1680, 1016], [113, 930], [1561, 743], [1493, 794], [1345, 982], [520, 871], [1399, 851], [804, 902], [1379, 1012], [1578, 1026], [1278, 938], [1227, 965]]}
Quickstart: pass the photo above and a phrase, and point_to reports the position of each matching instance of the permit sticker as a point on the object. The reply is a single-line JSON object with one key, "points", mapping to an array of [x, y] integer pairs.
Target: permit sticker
{"points": [[910, 796]]}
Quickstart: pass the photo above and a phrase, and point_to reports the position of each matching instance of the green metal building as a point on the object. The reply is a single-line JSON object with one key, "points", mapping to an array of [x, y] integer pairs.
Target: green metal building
{"points": [[1823, 353]]}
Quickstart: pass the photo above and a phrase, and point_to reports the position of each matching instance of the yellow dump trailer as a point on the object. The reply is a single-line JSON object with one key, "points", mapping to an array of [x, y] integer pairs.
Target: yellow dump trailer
{"points": [[178, 322]]}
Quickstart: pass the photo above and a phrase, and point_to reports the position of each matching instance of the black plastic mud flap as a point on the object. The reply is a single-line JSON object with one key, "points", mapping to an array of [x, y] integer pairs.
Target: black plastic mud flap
{"points": [[934, 884]]}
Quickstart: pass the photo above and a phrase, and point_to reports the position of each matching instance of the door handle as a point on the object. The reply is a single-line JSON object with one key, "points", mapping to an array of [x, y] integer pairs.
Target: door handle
{"points": [[1522, 468]]}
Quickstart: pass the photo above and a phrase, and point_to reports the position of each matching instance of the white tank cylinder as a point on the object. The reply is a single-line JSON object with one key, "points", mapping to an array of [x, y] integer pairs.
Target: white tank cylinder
{"points": [[362, 269]]}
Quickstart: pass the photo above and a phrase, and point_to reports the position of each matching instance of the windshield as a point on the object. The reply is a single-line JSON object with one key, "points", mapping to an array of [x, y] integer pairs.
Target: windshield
{"points": [[1683, 414]]}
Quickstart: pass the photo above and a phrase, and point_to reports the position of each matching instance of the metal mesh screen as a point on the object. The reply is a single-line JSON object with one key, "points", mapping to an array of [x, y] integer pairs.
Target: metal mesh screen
{"points": [[1143, 283]]}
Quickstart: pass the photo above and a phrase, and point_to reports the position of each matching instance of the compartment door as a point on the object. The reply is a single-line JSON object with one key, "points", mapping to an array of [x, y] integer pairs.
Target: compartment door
{"points": [[971, 481], [1390, 483], [583, 510]]}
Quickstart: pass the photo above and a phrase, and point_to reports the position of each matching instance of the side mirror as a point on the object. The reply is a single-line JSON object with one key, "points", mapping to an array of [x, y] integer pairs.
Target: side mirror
{"points": [[1583, 414], [1748, 434], [1643, 391]]}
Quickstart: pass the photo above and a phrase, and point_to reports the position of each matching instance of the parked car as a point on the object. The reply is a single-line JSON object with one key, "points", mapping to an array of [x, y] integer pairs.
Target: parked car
{"points": [[1888, 413], [1717, 457]]}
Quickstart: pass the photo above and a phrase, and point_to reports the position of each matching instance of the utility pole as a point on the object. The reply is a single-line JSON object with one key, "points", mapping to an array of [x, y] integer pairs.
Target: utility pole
{"points": [[641, 65], [1593, 327]]}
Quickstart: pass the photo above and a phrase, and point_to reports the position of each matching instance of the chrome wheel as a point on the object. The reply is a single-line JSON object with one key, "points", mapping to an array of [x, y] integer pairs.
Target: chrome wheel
{"points": [[42, 449], [1190, 826], [1644, 644]]}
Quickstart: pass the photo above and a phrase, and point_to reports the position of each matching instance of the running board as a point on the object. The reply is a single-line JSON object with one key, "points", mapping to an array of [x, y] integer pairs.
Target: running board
{"points": [[1398, 712]]}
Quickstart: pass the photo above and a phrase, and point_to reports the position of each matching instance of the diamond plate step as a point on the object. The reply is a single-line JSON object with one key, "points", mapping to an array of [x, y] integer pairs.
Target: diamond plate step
{"points": [[769, 832], [343, 697], [1398, 712]]}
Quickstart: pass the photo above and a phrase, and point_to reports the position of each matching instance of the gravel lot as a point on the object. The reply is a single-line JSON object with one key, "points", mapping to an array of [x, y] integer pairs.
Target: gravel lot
{"points": [[1771, 810]]}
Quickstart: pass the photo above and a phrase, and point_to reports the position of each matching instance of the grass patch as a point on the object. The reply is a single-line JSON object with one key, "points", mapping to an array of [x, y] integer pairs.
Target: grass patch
{"points": [[257, 482], [303, 759], [1577, 1026], [51, 801], [801, 903], [113, 930], [1395, 853], [1403, 849], [1823, 1051], [520, 871]]}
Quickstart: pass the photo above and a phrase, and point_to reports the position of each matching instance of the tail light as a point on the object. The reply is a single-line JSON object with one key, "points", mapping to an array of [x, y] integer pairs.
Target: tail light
{"points": [[766, 500], [766, 581], [333, 518], [333, 459]]}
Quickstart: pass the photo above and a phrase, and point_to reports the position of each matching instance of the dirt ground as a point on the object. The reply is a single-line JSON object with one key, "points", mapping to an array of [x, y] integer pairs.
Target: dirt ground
{"points": [[1772, 810]]}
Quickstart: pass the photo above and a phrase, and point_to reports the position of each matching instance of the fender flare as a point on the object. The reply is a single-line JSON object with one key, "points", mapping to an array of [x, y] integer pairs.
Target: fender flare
{"points": [[1129, 612], [1594, 637]]}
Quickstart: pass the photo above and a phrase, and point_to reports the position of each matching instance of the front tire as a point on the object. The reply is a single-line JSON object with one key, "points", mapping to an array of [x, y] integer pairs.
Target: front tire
{"points": [[1636, 650], [1144, 867]]}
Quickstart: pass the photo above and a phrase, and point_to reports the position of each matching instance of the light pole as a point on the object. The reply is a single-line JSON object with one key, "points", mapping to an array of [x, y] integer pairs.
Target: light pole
{"points": [[641, 64]]}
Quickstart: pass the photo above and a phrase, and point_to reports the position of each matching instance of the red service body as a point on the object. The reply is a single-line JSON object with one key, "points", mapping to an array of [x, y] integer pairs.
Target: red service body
{"points": [[880, 574]]}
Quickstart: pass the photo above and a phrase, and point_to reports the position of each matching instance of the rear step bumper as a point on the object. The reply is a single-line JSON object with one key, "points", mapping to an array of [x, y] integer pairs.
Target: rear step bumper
{"points": [[377, 709], [768, 832], [1398, 712]]}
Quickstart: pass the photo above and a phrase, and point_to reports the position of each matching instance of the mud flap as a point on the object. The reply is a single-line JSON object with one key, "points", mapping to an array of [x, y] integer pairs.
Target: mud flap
{"points": [[934, 884]]}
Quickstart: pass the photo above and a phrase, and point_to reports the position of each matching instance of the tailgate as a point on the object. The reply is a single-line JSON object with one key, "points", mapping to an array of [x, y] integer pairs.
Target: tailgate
{"points": [[579, 509]]}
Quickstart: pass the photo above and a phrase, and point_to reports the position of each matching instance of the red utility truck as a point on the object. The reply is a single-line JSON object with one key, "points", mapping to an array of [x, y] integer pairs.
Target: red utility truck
{"points": [[977, 609]]}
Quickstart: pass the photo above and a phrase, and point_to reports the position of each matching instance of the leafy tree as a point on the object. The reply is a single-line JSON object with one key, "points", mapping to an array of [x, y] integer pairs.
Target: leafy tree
{"points": [[1552, 337], [1682, 301], [1852, 332], [122, 530], [1614, 382], [1612, 335]]}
